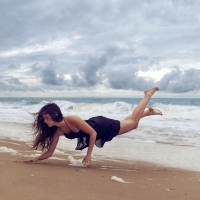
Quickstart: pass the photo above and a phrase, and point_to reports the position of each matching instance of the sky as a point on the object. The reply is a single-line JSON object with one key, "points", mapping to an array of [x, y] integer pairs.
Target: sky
{"points": [[99, 48]]}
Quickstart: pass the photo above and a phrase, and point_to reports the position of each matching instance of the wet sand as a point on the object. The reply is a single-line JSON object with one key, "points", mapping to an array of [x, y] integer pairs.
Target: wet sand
{"points": [[56, 179]]}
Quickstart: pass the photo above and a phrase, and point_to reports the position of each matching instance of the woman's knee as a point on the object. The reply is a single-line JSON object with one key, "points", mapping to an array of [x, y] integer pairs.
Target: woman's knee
{"points": [[135, 125], [127, 125]]}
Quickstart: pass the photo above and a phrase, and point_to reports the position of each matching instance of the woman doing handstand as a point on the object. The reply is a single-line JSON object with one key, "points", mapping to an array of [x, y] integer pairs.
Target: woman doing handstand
{"points": [[50, 124]]}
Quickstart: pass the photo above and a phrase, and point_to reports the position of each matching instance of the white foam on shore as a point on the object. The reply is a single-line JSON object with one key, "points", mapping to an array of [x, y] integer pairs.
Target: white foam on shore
{"points": [[8, 150], [56, 158], [57, 151], [16, 132], [74, 162]]}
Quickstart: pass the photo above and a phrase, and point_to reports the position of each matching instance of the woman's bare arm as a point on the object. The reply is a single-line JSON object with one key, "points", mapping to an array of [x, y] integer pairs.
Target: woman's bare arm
{"points": [[50, 151], [82, 125]]}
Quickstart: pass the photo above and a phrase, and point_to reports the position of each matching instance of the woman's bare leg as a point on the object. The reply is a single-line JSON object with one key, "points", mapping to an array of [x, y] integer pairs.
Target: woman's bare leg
{"points": [[149, 112], [131, 122]]}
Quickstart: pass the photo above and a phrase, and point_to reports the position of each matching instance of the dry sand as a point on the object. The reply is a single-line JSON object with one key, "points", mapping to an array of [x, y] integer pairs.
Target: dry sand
{"points": [[56, 179]]}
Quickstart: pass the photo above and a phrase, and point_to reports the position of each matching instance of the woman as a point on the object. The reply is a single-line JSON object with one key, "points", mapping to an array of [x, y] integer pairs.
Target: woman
{"points": [[50, 124]]}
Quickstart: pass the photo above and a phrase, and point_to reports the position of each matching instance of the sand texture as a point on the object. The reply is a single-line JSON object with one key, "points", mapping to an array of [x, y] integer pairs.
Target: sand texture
{"points": [[56, 179]]}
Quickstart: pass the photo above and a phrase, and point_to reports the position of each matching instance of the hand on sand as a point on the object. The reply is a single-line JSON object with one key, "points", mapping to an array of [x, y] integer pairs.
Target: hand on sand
{"points": [[31, 160], [87, 161]]}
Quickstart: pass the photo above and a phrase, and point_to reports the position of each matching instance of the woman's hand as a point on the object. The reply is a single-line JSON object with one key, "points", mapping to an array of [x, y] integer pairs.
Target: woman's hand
{"points": [[31, 160], [87, 161]]}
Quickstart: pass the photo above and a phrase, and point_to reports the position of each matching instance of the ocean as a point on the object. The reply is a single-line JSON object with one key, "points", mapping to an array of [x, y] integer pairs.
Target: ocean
{"points": [[179, 124], [170, 140]]}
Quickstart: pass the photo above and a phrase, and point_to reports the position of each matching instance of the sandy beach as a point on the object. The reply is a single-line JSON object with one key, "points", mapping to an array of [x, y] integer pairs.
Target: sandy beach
{"points": [[56, 179], [114, 82]]}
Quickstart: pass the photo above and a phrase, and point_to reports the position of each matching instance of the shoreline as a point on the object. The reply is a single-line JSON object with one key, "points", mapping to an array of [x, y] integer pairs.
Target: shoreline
{"points": [[54, 178], [22, 152], [119, 149]]}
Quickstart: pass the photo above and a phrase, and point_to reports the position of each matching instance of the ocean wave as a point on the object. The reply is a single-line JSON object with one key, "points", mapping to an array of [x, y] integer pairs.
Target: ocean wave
{"points": [[178, 125], [19, 110]]}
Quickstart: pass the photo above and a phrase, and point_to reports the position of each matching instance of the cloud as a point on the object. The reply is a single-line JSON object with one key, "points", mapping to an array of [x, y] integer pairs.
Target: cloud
{"points": [[99, 43], [176, 81], [35, 67], [13, 84], [14, 66], [14, 81], [90, 73], [167, 78], [49, 75], [128, 79], [181, 81], [91, 67]]}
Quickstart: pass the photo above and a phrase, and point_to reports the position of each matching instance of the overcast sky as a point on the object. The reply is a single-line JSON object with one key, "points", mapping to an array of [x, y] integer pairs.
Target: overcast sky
{"points": [[99, 48]]}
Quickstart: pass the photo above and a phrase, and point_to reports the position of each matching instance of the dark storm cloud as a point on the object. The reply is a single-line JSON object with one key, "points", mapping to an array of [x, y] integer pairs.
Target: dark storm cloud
{"points": [[9, 81], [91, 66], [13, 84], [90, 70], [14, 66], [175, 81], [4, 69], [77, 81], [181, 81], [128, 79], [35, 67], [14, 81], [49, 75], [167, 78]]}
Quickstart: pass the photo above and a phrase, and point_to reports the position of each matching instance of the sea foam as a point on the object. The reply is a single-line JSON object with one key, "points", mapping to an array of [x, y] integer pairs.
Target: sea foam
{"points": [[8, 150], [74, 162]]}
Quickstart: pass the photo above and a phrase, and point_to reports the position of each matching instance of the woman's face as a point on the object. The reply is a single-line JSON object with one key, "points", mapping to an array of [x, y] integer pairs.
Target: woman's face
{"points": [[48, 120]]}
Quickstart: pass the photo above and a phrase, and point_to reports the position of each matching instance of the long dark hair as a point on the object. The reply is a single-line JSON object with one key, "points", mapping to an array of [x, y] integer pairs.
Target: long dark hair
{"points": [[42, 133]]}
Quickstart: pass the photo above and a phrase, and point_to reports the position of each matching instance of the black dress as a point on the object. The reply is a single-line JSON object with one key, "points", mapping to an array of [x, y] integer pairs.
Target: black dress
{"points": [[106, 130]]}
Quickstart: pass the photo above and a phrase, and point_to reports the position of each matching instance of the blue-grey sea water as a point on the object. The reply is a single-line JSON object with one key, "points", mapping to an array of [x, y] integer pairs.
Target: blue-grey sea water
{"points": [[179, 124], [37, 100]]}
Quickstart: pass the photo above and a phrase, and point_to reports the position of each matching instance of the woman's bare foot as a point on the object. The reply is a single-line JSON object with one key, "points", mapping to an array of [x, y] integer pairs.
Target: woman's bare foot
{"points": [[153, 111], [151, 91]]}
